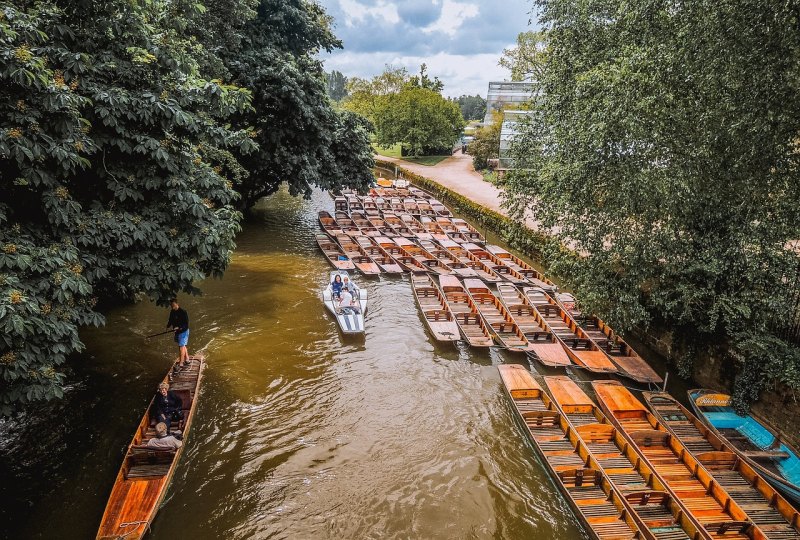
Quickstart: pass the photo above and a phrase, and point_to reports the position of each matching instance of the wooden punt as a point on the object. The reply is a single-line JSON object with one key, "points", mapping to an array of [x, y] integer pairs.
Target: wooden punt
{"points": [[661, 513], [378, 255], [764, 506], [448, 258], [630, 364], [592, 498], [483, 271], [439, 208], [433, 227], [425, 208], [438, 317], [346, 224], [496, 264], [542, 344], [472, 327], [396, 204], [383, 228], [353, 204], [356, 253], [415, 227], [382, 204], [431, 263], [671, 461], [365, 227], [410, 206], [468, 230], [328, 223], [397, 225], [628, 361], [340, 204], [333, 253], [145, 475], [370, 207], [446, 224], [533, 276], [579, 347], [496, 316], [752, 439], [401, 257]]}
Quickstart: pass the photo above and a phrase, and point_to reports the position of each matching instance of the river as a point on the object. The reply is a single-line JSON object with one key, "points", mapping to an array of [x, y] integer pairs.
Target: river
{"points": [[300, 432]]}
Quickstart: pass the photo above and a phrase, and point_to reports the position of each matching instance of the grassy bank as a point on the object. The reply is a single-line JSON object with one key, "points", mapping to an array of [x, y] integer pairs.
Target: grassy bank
{"points": [[394, 152]]}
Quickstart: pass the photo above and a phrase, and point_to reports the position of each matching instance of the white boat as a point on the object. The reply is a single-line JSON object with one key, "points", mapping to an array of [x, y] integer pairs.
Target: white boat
{"points": [[349, 321]]}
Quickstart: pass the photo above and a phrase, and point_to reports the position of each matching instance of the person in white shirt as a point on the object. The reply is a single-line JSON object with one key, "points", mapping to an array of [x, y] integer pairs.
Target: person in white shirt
{"points": [[350, 286], [163, 440], [348, 303]]}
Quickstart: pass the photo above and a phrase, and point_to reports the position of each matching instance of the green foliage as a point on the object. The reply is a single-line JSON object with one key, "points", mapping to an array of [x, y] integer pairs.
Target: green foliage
{"points": [[472, 107], [486, 144], [420, 119], [424, 81], [664, 149], [337, 85], [527, 60], [109, 182], [300, 135], [367, 97]]}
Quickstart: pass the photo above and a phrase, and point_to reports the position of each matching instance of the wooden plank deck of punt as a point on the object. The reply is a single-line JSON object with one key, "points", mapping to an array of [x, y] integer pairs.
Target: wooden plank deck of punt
{"points": [[681, 473], [468, 230], [383, 228], [477, 253], [630, 364], [600, 508], [469, 321], [333, 252], [765, 507], [483, 271], [542, 344], [379, 256], [397, 225], [363, 262], [496, 316], [536, 278], [579, 347], [328, 223], [431, 263], [438, 317], [139, 489], [623, 466], [448, 259], [415, 226]]}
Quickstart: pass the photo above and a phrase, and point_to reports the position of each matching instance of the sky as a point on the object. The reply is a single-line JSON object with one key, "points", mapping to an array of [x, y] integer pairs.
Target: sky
{"points": [[461, 41]]}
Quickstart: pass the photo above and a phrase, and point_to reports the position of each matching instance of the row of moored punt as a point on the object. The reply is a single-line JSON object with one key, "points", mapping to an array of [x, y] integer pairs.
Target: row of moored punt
{"points": [[467, 289], [628, 472]]}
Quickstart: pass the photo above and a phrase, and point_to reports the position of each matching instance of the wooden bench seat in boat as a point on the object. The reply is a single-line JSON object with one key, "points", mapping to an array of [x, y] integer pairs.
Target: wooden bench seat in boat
{"points": [[143, 461]]}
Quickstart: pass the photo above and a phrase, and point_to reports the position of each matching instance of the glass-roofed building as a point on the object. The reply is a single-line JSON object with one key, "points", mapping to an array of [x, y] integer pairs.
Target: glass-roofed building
{"points": [[507, 95], [507, 132]]}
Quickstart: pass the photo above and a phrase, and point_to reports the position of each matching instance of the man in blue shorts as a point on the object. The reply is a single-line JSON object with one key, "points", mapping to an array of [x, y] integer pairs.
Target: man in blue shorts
{"points": [[179, 322]]}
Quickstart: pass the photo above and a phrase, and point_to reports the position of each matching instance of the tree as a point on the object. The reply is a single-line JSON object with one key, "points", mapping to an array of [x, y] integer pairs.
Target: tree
{"points": [[665, 148], [486, 145], [472, 107], [292, 119], [423, 81], [110, 184], [366, 97], [420, 119], [528, 59], [337, 85]]}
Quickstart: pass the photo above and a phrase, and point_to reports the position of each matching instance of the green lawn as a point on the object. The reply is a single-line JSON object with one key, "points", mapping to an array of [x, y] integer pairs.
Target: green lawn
{"points": [[394, 151]]}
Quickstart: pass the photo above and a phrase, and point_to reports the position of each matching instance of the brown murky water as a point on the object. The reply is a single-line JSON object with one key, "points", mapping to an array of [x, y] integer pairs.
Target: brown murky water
{"points": [[300, 432]]}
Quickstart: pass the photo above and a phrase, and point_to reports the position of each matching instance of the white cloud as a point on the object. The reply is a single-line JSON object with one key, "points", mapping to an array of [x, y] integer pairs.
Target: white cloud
{"points": [[461, 74], [452, 17], [356, 12]]}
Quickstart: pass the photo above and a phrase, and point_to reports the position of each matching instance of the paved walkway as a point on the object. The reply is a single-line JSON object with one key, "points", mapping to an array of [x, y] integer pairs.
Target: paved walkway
{"points": [[457, 173]]}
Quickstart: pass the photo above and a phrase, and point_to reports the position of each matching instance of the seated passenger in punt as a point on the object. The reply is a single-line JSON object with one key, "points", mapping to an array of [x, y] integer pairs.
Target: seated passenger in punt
{"points": [[336, 286], [350, 286], [348, 304], [163, 439], [167, 406]]}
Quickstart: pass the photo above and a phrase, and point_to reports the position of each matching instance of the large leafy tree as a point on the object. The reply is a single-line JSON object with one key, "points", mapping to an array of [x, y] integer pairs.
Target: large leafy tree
{"points": [[367, 96], [110, 183], [665, 150], [292, 120], [420, 119], [472, 107], [528, 58]]}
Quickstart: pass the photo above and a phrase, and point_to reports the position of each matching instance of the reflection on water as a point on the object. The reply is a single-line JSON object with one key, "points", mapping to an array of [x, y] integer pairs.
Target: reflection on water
{"points": [[300, 433]]}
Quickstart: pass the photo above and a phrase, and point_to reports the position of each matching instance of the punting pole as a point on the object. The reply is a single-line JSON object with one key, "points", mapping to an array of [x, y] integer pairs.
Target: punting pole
{"points": [[666, 378]]}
